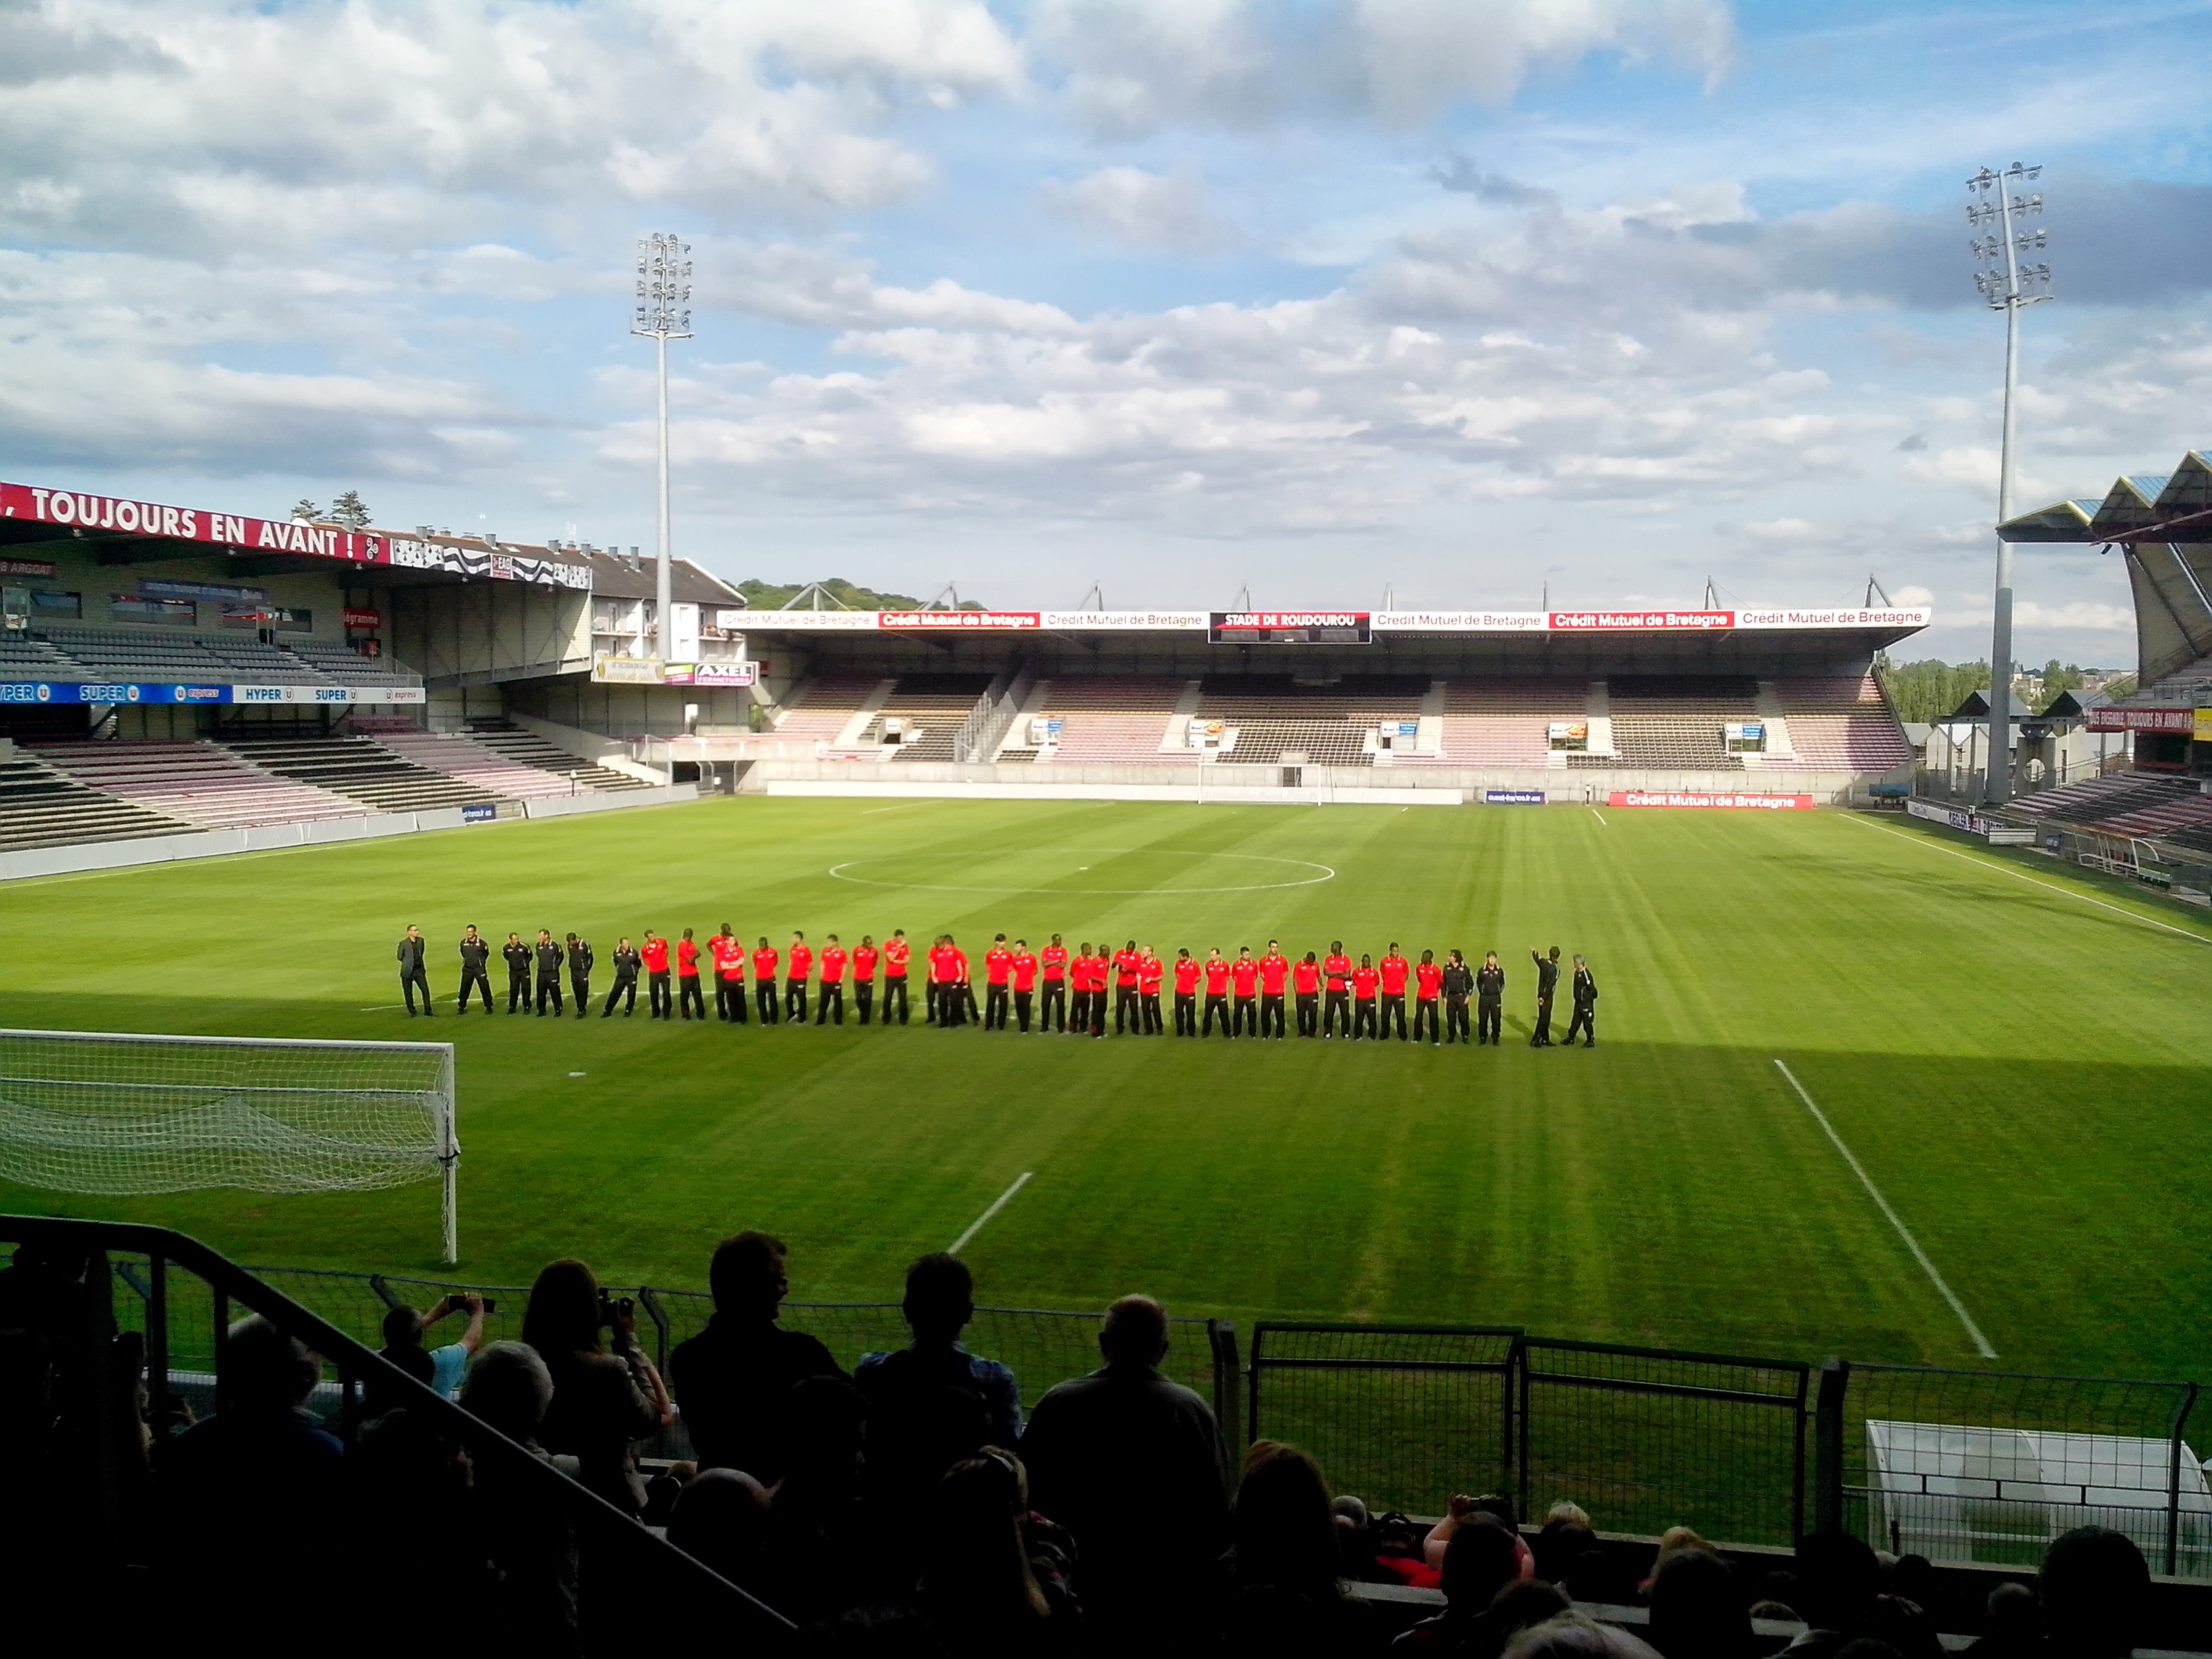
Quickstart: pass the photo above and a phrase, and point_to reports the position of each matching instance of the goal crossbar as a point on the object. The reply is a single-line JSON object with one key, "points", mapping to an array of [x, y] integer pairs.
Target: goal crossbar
{"points": [[123, 1112]]}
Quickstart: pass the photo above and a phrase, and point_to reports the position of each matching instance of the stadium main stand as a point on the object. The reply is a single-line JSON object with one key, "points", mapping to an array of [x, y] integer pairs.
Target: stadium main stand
{"points": [[1673, 722], [510, 742], [472, 763], [822, 708], [201, 783], [1503, 722], [931, 709], [1108, 719], [361, 769], [1844, 725]]}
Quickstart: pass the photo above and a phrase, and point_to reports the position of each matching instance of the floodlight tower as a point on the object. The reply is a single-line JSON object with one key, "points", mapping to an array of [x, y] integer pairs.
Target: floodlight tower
{"points": [[1999, 200], [664, 313]]}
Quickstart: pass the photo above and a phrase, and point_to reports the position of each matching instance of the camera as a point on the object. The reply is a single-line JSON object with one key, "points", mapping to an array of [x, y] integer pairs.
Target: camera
{"points": [[457, 1301], [614, 1308]]}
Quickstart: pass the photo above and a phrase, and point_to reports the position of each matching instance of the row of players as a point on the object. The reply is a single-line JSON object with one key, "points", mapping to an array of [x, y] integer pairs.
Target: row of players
{"points": [[1332, 996]]}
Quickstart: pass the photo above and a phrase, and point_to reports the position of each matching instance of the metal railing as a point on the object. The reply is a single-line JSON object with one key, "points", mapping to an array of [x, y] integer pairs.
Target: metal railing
{"points": [[191, 1319]]}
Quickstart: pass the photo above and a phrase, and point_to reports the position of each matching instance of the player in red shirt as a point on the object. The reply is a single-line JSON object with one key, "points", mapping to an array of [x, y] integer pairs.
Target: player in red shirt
{"points": [[1150, 971], [1186, 994], [957, 994], [1305, 977], [1274, 969], [1053, 960], [1244, 983], [1428, 980], [687, 996], [896, 951], [833, 980], [1126, 1013], [656, 977], [1023, 969], [1217, 993], [729, 953], [1336, 973], [1393, 968], [1364, 981], [998, 972], [939, 976], [796, 968], [764, 961], [865, 955], [1078, 989]]}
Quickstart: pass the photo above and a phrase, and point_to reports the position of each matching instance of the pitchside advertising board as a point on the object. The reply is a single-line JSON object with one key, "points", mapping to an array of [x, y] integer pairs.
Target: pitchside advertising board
{"points": [[112, 692], [1324, 627], [1997, 834], [1678, 798], [77, 511]]}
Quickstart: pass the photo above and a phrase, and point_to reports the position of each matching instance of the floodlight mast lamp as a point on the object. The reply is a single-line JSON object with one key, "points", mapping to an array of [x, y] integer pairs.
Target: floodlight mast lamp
{"points": [[664, 313], [1998, 201]]}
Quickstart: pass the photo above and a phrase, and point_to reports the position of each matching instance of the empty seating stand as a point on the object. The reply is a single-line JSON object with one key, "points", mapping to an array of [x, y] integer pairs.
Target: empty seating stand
{"points": [[204, 785], [1105, 719], [472, 763], [40, 806], [1843, 724], [361, 770], [819, 710], [1274, 715], [2097, 801], [1672, 722], [1503, 722], [934, 704], [512, 743]]}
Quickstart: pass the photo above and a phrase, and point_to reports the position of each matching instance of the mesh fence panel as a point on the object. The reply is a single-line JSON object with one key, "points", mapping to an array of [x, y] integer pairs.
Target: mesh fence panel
{"points": [[1401, 1416], [1970, 1465], [108, 1113], [1645, 1440]]}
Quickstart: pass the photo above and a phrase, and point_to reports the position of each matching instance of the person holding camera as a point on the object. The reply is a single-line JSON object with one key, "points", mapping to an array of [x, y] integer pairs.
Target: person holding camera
{"points": [[439, 1369], [606, 1395]]}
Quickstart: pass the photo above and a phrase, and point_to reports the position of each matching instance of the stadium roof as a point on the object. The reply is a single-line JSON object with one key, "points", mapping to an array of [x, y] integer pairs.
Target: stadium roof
{"points": [[2140, 507]]}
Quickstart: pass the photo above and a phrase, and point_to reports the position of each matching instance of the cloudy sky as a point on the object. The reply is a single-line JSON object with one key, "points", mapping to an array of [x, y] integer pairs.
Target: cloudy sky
{"points": [[1467, 296]]}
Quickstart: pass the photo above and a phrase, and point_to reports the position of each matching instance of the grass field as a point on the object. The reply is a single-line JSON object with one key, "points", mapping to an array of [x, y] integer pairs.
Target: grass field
{"points": [[2017, 1057]]}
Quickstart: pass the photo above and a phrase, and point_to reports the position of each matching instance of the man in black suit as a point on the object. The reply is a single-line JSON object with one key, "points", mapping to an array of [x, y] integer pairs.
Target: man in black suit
{"points": [[1585, 994], [1548, 982], [579, 972], [1490, 999], [411, 974]]}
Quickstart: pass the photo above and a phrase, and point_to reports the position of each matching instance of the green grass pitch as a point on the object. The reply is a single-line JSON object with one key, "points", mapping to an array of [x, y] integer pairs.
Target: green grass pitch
{"points": [[2016, 1055]]}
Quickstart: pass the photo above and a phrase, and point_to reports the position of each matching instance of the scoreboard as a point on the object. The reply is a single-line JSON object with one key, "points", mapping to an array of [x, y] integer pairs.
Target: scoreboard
{"points": [[1289, 628]]}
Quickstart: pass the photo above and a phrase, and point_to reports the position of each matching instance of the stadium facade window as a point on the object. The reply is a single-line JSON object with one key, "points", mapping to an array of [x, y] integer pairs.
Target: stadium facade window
{"points": [[46, 605], [160, 613]]}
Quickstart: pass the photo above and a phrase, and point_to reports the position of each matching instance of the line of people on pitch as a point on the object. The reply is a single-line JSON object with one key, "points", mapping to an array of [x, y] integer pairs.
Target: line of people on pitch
{"points": [[1333, 998]]}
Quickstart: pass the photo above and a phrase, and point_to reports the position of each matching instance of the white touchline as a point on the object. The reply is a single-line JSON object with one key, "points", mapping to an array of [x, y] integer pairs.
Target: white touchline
{"points": [[1981, 1342], [1600, 817], [1020, 1181], [2021, 875]]}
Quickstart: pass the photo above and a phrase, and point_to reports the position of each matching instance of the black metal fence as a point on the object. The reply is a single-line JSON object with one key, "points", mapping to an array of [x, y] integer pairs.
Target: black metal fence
{"points": [[1963, 1466], [1980, 1466]]}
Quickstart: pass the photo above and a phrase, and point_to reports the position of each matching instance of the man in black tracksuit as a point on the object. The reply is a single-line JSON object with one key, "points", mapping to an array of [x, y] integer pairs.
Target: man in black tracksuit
{"points": [[476, 952], [1585, 1019], [518, 973], [1547, 983], [411, 974], [550, 956], [580, 973], [627, 963], [1457, 983], [1490, 999]]}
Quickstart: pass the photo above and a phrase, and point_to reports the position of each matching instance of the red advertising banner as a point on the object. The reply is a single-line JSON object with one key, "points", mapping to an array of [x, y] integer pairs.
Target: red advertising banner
{"points": [[990, 619], [1692, 621], [2179, 720], [1672, 797], [29, 567], [363, 618], [119, 515]]}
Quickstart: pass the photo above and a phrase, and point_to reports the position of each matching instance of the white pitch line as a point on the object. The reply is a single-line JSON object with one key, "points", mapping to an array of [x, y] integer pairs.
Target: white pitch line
{"points": [[1981, 1342], [1020, 1181], [1600, 817], [2033, 881], [901, 807]]}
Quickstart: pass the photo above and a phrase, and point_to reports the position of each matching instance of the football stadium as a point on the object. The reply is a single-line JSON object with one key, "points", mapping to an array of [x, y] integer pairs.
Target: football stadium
{"points": [[1815, 1217]]}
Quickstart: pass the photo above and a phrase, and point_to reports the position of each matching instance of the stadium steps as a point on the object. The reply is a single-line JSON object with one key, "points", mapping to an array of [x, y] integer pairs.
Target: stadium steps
{"points": [[2099, 800], [196, 781], [2167, 818], [1501, 722], [361, 770], [1843, 724], [1110, 719], [935, 703], [151, 654], [1664, 742], [819, 709], [510, 742], [1331, 736], [26, 656], [460, 758], [42, 806]]}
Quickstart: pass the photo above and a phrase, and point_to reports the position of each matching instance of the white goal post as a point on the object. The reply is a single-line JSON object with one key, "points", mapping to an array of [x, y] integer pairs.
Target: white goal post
{"points": [[120, 1112]]}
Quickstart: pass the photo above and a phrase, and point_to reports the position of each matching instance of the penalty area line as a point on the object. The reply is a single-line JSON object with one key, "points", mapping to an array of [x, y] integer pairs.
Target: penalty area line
{"points": [[1981, 1342], [1020, 1181]]}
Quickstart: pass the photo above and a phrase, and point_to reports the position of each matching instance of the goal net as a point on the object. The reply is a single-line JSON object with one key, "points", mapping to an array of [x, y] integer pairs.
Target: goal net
{"points": [[118, 1113]]}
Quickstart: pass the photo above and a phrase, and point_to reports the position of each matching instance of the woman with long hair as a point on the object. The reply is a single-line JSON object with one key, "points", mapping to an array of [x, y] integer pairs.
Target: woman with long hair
{"points": [[1284, 1594], [980, 1589], [603, 1403]]}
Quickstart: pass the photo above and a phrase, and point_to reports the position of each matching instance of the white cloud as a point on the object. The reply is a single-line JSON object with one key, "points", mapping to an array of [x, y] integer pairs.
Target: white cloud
{"points": [[1160, 211]]}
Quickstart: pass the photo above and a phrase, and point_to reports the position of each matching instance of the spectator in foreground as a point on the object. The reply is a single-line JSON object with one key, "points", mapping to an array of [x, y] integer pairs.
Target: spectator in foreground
{"points": [[531, 1544], [980, 1593], [1284, 1596], [603, 1403], [1480, 1563], [437, 1369], [1131, 1464], [1699, 1608], [823, 1557], [1460, 1509], [722, 1519], [1566, 1538], [2013, 1626], [2095, 1584], [933, 1402], [1573, 1636], [1838, 1594], [732, 1378]]}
